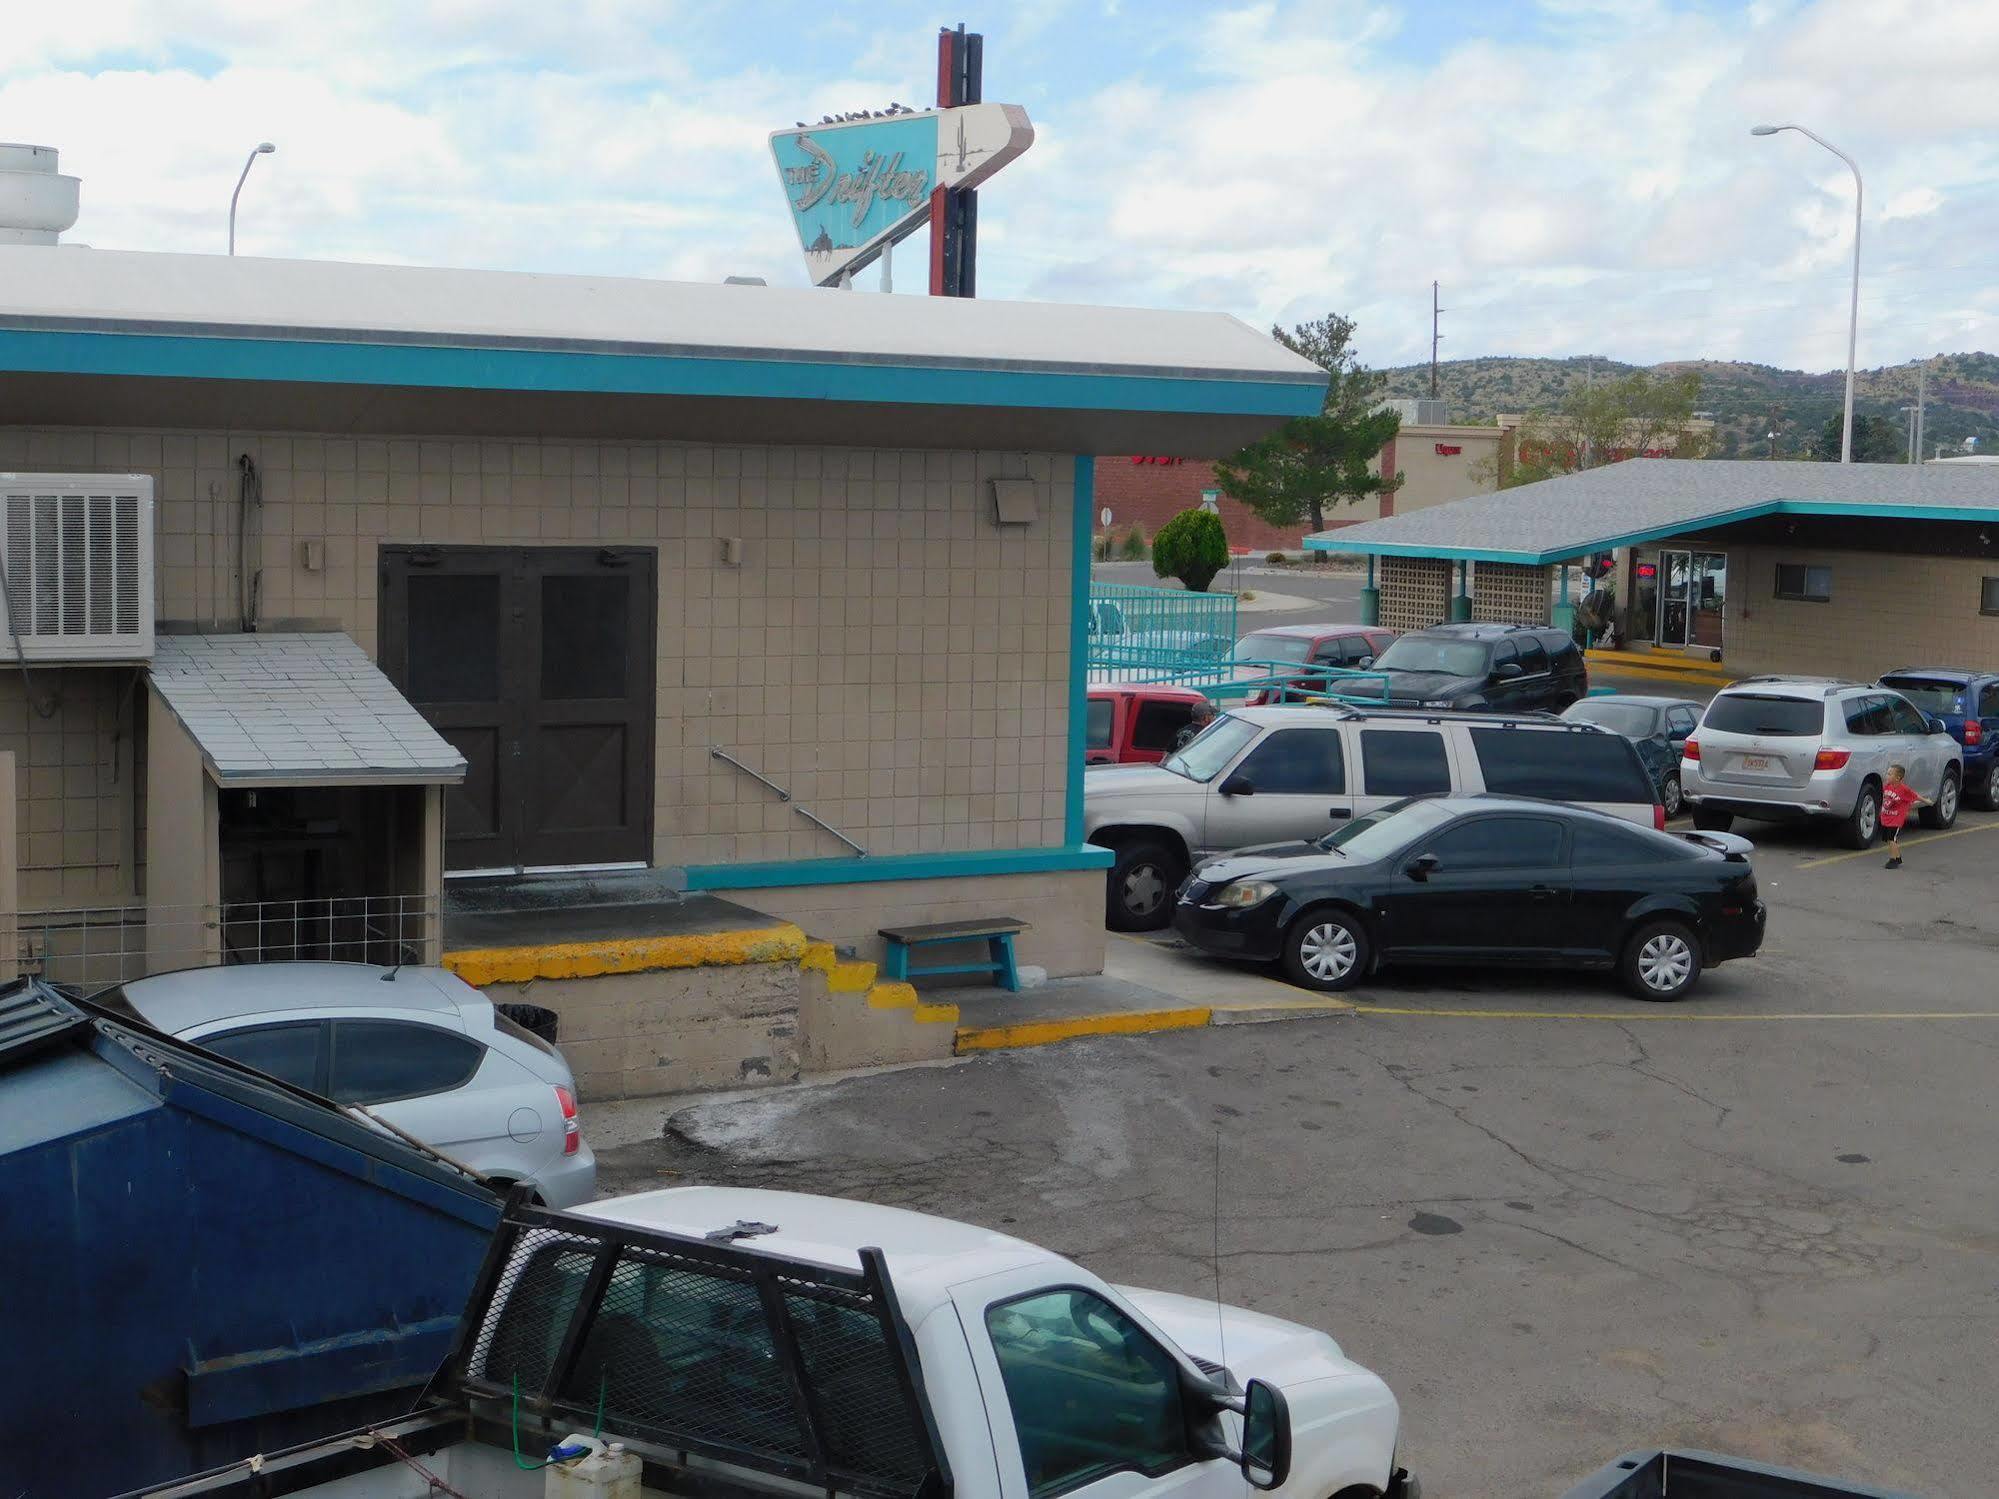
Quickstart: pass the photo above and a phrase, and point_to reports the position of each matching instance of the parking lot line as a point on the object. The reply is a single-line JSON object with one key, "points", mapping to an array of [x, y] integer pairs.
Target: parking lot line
{"points": [[1861, 853], [1664, 1014]]}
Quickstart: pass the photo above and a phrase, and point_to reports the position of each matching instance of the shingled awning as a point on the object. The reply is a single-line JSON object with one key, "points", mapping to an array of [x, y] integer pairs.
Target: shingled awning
{"points": [[297, 710]]}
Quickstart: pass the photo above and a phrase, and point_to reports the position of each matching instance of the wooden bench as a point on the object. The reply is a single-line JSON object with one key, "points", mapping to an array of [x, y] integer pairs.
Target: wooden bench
{"points": [[997, 933]]}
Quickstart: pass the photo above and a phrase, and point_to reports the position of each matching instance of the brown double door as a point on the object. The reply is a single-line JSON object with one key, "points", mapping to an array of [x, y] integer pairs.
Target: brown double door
{"points": [[537, 664]]}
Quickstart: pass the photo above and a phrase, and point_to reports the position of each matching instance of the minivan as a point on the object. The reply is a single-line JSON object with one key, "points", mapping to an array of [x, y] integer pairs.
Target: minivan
{"points": [[1278, 774]]}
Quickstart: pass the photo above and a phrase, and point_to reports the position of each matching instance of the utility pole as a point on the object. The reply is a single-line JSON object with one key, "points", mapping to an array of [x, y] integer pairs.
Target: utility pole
{"points": [[1436, 313], [1922, 378]]}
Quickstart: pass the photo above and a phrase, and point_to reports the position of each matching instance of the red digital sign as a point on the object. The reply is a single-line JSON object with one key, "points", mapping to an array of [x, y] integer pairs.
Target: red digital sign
{"points": [[1647, 570]]}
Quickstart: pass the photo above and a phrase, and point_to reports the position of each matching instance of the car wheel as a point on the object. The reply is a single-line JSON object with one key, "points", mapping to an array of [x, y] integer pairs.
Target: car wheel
{"points": [[1326, 950], [1942, 812], [1672, 798], [1142, 882], [1864, 822], [1985, 795], [1712, 822], [1662, 961]]}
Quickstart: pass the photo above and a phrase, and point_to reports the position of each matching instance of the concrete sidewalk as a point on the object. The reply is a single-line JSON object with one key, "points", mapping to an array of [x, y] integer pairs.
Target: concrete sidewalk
{"points": [[1146, 986]]}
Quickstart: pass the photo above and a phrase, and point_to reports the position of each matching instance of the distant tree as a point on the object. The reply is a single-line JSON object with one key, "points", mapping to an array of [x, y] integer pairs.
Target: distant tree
{"points": [[1134, 549], [1191, 547], [1630, 416], [1875, 440], [1313, 462]]}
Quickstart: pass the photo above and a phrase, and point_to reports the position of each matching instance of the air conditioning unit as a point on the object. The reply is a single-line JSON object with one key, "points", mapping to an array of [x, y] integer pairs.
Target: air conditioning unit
{"points": [[76, 555]]}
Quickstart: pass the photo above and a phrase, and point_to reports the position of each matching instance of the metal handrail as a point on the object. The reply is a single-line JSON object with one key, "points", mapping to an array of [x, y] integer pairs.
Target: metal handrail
{"points": [[784, 796]]}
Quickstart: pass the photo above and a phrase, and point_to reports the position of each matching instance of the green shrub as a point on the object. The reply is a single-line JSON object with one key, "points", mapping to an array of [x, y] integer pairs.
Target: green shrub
{"points": [[1134, 548], [1277, 559], [1191, 547], [1102, 547]]}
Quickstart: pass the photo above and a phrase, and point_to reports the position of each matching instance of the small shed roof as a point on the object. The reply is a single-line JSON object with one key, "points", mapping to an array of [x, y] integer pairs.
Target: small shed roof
{"points": [[1646, 499], [651, 357], [297, 710]]}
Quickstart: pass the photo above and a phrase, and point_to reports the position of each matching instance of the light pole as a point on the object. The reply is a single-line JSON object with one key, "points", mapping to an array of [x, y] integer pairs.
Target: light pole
{"points": [[264, 148], [1853, 324]]}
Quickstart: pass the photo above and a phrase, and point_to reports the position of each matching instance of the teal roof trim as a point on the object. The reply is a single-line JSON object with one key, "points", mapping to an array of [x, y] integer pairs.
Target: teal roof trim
{"points": [[896, 867], [513, 368]]}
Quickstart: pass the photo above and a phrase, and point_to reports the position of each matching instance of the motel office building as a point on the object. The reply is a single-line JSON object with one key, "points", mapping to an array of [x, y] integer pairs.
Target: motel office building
{"points": [[481, 580]]}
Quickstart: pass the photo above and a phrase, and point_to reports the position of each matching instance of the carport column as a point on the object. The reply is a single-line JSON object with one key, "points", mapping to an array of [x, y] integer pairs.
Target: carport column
{"points": [[10, 883], [1565, 612], [1461, 600], [1370, 597]]}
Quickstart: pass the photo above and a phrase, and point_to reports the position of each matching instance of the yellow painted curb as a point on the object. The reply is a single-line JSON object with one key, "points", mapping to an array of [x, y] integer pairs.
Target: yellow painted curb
{"points": [[569, 960], [851, 978], [1678, 666], [892, 997], [926, 1014], [1119, 1023], [820, 957]]}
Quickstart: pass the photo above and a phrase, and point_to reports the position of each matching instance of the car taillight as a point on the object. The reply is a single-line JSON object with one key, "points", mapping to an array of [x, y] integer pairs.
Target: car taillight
{"points": [[1658, 817], [1831, 759], [1691, 750], [1974, 731], [572, 1132]]}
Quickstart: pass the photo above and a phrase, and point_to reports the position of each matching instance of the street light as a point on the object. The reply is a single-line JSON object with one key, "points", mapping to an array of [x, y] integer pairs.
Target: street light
{"points": [[1853, 324], [264, 148]]}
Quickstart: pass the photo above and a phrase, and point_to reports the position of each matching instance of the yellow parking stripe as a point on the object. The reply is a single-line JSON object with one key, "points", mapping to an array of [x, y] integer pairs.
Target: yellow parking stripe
{"points": [[1653, 1013], [1862, 853]]}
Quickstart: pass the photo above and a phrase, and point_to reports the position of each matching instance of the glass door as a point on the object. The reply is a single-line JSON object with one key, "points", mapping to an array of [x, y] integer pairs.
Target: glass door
{"points": [[1675, 574], [1708, 587]]}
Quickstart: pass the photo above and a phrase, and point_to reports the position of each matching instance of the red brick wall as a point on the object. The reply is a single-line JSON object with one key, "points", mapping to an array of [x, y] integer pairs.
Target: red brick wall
{"points": [[1152, 491]]}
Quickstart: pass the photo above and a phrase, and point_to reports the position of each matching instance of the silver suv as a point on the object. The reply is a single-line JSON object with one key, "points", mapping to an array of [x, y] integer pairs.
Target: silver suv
{"points": [[1789, 748]]}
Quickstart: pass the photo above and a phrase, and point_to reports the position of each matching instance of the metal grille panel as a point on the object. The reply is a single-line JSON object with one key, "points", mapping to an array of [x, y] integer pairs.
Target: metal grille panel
{"points": [[76, 551]]}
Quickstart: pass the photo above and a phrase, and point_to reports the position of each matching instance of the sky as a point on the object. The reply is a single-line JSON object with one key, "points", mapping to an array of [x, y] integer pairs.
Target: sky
{"points": [[1577, 174]]}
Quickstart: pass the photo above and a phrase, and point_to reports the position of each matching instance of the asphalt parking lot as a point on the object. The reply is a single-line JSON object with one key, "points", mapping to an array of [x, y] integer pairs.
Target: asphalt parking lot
{"points": [[1562, 1223]]}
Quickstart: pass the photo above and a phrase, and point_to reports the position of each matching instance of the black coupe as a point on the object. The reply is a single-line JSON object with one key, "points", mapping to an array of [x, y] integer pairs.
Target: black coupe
{"points": [[1482, 880]]}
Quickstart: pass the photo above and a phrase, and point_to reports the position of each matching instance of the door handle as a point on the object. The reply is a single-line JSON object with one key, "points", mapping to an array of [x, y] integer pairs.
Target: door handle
{"points": [[1339, 814], [1543, 892]]}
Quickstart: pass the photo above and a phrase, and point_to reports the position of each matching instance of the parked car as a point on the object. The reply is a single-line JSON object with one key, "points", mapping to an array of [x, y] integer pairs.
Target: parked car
{"points": [[1137, 723], [1350, 647], [1482, 880], [418, 1047], [1968, 704], [1658, 726], [759, 1343], [1256, 775], [1505, 668], [1810, 748]]}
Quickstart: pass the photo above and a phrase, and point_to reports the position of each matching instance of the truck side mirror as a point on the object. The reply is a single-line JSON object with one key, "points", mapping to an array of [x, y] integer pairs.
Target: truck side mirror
{"points": [[1266, 1436], [1238, 785]]}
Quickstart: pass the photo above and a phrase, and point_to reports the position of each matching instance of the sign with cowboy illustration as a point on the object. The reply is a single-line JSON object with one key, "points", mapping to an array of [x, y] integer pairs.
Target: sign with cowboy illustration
{"points": [[859, 185]]}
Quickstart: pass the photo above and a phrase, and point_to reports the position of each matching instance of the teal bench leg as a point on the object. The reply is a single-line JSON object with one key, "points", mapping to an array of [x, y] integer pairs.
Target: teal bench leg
{"points": [[1001, 948], [895, 962]]}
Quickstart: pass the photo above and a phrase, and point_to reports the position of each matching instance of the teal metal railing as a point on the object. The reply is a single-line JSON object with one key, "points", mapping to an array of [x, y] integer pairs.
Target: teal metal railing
{"points": [[1160, 635]]}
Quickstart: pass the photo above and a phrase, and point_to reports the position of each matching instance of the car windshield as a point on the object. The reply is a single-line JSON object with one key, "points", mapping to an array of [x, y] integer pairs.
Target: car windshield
{"points": [[1765, 713], [1272, 648], [1212, 748], [1632, 720], [1386, 831], [1929, 694], [1454, 658]]}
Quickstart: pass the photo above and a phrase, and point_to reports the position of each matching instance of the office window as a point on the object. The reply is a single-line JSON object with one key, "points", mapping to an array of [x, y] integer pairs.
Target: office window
{"points": [[1795, 580], [1988, 595]]}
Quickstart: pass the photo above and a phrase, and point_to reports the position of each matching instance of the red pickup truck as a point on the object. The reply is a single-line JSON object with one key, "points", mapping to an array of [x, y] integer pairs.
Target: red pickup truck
{"points": [[1135, 723]]}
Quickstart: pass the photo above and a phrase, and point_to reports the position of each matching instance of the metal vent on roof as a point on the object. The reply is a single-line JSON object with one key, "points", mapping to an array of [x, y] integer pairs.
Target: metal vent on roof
{"points": [[77, 554], [34, 1016]]}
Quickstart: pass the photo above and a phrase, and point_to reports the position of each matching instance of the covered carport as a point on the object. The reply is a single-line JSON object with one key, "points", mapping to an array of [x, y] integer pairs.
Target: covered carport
{"points": [[1843, 570]]}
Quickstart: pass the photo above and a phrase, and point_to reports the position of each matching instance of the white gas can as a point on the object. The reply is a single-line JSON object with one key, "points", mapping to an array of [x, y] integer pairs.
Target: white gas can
{"points": [[605, 1471]]}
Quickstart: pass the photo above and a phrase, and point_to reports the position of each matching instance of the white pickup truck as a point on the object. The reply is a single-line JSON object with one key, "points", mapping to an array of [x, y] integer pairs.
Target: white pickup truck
{"points": [[720, 1342]]}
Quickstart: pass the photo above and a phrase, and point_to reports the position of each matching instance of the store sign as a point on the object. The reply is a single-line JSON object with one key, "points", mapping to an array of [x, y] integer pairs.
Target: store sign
{"points": [[856, 187], [1449, 449]]}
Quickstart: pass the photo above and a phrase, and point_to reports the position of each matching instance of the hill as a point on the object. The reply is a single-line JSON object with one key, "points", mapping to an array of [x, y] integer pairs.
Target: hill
{"points": [[1747, 401]]}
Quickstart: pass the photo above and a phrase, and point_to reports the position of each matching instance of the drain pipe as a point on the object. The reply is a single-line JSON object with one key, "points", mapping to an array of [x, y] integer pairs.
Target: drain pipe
{"points": [[250, 493]]}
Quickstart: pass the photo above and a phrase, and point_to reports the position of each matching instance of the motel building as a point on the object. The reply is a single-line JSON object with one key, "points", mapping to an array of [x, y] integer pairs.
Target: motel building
{"points": [[638, 649], [1841, 570]]}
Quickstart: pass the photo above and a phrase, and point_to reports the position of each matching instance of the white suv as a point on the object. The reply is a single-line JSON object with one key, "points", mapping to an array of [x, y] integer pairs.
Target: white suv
{"points": [[1272, 775], [1792, 748]]}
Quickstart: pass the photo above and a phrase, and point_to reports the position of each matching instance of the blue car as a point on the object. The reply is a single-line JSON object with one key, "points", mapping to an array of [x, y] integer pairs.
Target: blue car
{"points": [[1968, 704], [1656, 726]]}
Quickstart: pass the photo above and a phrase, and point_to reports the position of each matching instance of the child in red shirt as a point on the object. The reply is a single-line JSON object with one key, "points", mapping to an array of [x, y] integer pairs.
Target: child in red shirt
{"points": [[1898, 799]]}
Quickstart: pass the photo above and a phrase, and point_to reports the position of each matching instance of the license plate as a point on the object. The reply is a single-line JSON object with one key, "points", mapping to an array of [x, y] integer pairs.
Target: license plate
{"points": [[1755, 762]]}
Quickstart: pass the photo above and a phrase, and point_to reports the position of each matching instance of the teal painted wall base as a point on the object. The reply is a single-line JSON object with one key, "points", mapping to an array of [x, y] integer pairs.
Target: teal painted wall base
{"points": [[895, 867], [1563, 617], [1370, 606], [1460, 608]]}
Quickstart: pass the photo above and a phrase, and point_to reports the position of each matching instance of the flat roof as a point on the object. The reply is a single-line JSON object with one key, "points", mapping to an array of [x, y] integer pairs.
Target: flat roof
{"points": [[124, 316], [297, 710], [1646, 499]]}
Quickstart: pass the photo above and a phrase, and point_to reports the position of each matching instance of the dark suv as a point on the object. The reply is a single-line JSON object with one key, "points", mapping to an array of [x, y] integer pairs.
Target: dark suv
{"points": [[1505, 668]]}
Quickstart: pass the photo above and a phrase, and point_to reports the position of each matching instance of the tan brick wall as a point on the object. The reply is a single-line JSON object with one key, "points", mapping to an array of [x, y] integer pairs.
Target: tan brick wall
{"points": [[885, 652], [73, 783], [1415, 591], [1885, 612], [1510, 593]]}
